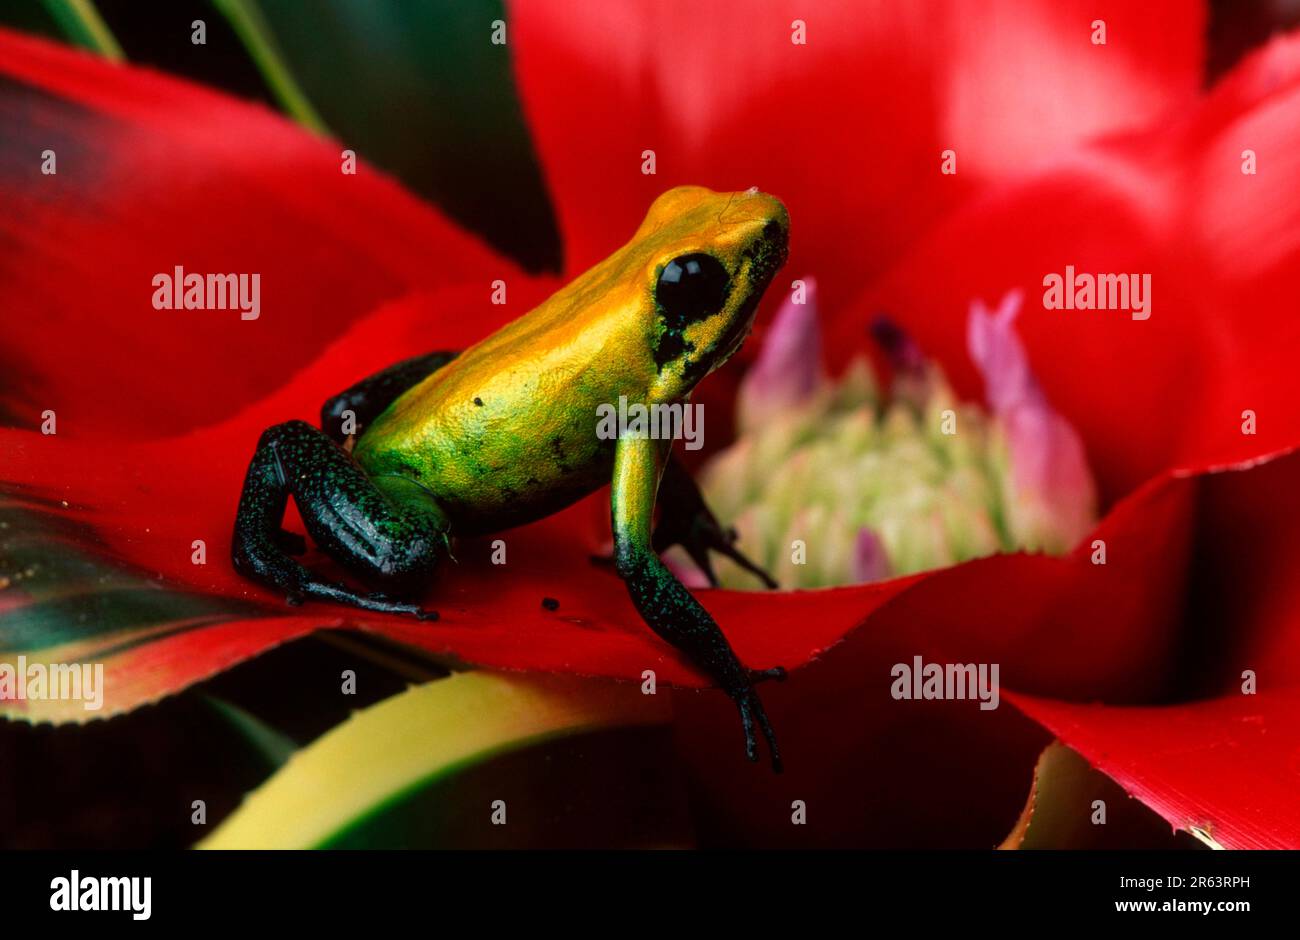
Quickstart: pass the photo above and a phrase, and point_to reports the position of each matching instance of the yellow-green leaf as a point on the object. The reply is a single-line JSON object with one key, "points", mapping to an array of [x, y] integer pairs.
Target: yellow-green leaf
{"points": [[411, 740], [1071, 805]]}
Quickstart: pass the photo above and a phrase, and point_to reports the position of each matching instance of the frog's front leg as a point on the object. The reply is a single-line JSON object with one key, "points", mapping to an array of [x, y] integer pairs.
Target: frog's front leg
{"points": [[663, 601], [385, 530], [686, 520]]}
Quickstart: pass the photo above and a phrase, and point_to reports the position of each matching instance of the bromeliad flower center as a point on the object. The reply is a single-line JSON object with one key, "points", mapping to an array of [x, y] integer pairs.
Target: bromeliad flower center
{"points": [[831, 481]]}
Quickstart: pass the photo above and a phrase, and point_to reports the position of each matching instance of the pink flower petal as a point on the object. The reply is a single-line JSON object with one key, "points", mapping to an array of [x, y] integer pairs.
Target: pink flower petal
{"points": [[870, 562], [1052, 498]]}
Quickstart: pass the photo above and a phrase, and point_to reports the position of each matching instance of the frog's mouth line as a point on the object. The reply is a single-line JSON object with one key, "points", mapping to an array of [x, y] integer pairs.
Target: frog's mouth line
{"points": [[761, 270], [739, 330]]}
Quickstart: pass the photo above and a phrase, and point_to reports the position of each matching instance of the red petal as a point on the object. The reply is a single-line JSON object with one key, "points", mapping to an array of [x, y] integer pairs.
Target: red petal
{"points": [[1194, 579], [1062, 625], [1225, 769], [1243, 240], [1223, 252], [154, 173], [847, 129]]}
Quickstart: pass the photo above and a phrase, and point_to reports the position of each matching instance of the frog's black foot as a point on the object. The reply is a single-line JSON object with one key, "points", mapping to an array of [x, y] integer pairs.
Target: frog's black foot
{"points": [[381, 535], [751, 712], [734, 554], [705, 536], [396, 605], [762, 675], [342, 594], [685, 520]]}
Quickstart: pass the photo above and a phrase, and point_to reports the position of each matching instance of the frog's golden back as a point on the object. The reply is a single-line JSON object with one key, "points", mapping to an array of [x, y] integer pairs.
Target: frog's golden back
{"points": [[506, 433]]}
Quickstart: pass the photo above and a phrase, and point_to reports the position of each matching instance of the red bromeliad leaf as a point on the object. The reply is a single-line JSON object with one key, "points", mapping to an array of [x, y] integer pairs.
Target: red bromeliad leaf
{"points": [[1064, 626], [98, 536], [1175, 613], [848, 129], [152, 173], [1222, 249], [1225, 770]]}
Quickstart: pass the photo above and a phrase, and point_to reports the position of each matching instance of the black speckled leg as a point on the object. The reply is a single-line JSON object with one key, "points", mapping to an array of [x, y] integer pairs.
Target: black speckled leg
{"points": [[685, 520], [664, 602], [387, 531], [370, 397]]}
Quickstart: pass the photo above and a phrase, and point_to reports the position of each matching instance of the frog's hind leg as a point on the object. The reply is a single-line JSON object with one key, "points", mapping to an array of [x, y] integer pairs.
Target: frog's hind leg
{"points": [[385, 530], [370, 397], [685, 520], [664, 602]]}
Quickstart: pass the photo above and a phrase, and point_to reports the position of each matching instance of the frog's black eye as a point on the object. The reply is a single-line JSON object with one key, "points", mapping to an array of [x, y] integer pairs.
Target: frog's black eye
{"points": [[691, 288]]}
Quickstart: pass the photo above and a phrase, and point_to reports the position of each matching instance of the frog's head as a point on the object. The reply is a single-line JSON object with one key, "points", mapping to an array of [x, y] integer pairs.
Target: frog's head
{"points": [[704, 260]]}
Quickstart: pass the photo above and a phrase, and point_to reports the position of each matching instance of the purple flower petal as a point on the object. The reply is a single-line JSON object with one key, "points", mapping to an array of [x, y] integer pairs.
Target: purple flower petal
{"points": [[870, 562], [1052, 503], [999, 355]]}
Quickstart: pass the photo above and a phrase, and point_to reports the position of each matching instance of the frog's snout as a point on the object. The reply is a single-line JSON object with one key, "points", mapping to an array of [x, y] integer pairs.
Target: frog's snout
{"points": [[773, 240], [769, 248]]}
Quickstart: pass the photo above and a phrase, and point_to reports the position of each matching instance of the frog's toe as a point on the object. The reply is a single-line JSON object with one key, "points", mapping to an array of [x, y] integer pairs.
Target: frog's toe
{"points": [[751, 714], [686, 520], [727, 547], [386, 601], [706, 536]]}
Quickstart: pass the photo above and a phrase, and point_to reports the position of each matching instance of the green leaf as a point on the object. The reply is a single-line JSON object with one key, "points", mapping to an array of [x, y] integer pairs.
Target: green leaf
{"points": [[250, 26], [418, 89], [81, 23], [274, 747], [353, 779]]}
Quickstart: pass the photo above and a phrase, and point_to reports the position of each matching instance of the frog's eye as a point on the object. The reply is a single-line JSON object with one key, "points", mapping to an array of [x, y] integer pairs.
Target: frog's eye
{"points": [[691, 288]]}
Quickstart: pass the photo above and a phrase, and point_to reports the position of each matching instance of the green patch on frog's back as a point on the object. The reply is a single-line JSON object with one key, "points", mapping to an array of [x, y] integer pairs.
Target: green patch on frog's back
{"points": [[493, 481]]}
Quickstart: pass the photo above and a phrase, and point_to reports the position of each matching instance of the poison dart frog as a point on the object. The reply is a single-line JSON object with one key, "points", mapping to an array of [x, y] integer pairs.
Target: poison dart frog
{"points": [[504, 433]]}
